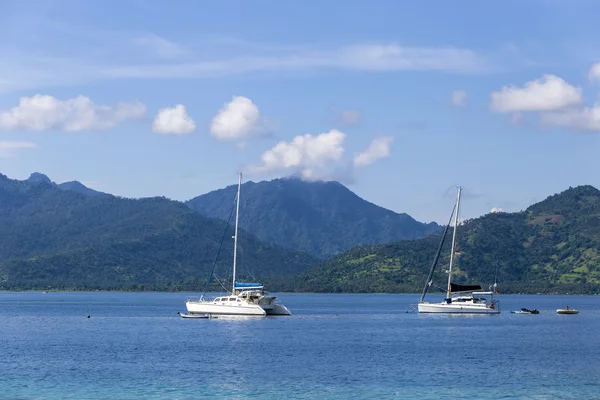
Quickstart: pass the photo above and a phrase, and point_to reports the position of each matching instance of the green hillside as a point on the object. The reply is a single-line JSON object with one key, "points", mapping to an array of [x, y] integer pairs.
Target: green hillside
{"points": [[553, 246], [65, 239]]}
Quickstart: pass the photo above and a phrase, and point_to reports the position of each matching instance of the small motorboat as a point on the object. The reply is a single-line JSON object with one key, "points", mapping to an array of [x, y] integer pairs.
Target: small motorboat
{"points": [[526, 311], [567, 310]]}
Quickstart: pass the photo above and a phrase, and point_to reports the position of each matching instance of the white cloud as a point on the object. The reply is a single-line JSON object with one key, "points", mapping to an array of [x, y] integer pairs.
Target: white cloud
{"points": [[8, 149], [117, 56], [350, 117], [40, 113], [545, 94], [309, 155], [160, 46], [379, 148], [584, 119], [594, 74], [459, 98], [374, 57], [388, 57], [238, 119], [173, 121], [496, 210]]}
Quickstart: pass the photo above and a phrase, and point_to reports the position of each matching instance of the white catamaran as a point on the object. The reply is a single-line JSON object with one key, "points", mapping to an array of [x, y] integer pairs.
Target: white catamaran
{"points": [[246, 299], [461, 299]]}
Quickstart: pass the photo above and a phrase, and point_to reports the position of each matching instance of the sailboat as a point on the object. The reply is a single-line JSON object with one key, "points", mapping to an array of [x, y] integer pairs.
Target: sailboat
{"points": [[461, 299], [246, 298]]}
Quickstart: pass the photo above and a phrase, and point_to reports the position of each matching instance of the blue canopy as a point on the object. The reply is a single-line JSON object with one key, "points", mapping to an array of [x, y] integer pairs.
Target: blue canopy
{"points": [[247, 285]]}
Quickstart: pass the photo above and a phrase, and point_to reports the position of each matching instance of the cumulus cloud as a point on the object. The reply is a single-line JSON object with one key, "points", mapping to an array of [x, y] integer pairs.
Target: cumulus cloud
{"points": [[238, 119], [41, 113], [8, 148], [173, 121], [318, 157], [459, 98], [307, 155], [379, 148], [496, 210], [350, 117], [546, 94], [594, 74], [583, 119]]}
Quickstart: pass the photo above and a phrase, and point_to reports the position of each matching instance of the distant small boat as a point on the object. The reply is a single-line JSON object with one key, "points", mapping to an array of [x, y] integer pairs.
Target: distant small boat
{"points": [[567, 311], [526, 311]]}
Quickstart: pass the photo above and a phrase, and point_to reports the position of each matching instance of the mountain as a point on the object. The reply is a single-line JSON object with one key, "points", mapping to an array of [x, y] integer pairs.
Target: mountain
{"points": [[65, 239], [73, 186], [38, 177], [553, 246], [78, 187], [321, 218]]}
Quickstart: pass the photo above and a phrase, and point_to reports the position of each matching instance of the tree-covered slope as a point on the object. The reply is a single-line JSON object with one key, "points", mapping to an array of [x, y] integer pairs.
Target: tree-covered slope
{"points": [[322, 218], [553, 246], [50, 236]]}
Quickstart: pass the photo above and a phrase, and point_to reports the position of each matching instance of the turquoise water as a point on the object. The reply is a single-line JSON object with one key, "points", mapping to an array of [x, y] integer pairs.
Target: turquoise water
{"points": [[134, 345]]}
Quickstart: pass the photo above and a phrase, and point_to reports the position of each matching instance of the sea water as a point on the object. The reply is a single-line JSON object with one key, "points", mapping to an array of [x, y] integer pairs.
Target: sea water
{"points": [[367, 346]]}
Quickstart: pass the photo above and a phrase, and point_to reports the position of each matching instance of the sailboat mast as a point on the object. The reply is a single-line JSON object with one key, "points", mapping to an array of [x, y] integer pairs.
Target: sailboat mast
{"points": [[453, 243], [235, 237], [429, 282]]}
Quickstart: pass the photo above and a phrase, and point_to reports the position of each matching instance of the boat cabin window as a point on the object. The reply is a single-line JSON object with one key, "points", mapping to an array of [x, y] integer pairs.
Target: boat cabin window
{"points": [[462, 299], [232, 299]]}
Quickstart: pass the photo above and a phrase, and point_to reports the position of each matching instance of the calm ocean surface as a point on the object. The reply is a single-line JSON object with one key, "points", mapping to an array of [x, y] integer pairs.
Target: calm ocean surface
{"points": [[333, 347]]}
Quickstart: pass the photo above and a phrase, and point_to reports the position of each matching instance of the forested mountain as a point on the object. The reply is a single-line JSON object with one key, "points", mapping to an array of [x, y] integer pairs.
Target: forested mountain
{"points": [[66, 239], [61, 238], [322, 218], [72, 186], [553, 246]]}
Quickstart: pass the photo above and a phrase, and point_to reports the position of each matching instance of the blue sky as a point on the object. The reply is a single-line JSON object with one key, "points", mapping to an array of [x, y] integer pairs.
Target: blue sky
{"points": [[401, 101]]}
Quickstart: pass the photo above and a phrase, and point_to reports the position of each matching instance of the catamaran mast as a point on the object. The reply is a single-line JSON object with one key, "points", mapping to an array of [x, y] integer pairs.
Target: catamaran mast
{"points": [[237, 213], [448, 292]]}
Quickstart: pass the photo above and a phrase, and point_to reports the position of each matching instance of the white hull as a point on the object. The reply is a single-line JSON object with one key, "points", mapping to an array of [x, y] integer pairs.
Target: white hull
{"points": [[276, 309], [444, 308], [246, 299], [208, 307]]}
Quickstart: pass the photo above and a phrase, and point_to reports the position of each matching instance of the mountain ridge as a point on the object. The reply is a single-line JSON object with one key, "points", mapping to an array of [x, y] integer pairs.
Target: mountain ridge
{"points": [[73, 186], [551, 247], [321, 218], [51, 236]]}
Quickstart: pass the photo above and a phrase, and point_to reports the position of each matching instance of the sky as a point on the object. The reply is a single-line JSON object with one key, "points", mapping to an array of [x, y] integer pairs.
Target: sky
{"points": [[400, 101]]}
